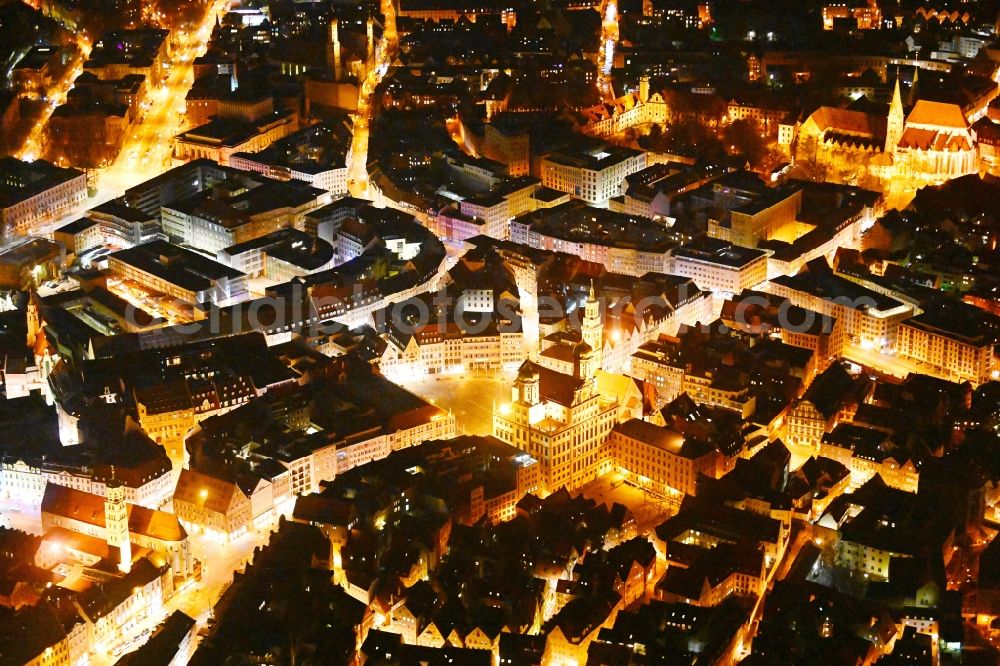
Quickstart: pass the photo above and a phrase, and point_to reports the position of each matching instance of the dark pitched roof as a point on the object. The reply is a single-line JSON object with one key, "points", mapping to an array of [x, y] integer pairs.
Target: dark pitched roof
{"points": [[162, 647]]}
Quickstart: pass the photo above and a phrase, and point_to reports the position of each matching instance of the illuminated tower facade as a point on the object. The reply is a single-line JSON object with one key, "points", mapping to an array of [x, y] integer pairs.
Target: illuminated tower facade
{"points": [[895, 121], [370, 27], [592, 328], [116, 522], [561, 420], [333, 50], [33, 319]]}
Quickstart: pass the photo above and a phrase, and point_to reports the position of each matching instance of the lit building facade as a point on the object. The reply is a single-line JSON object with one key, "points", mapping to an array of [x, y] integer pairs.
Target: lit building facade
{"points": [[719, 266], [33, 192], [560, 420], [593, 176], [868, 319], [659, 459], [965, 354]]}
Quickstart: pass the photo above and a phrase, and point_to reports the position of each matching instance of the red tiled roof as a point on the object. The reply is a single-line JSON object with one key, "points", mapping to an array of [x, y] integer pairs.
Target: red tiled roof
{"points": [[937, 113], [925, 139], [89, 508], [845, 121]]}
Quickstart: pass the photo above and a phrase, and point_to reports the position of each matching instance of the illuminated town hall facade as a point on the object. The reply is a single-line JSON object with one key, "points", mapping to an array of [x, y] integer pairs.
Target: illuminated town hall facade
{"points": [[563, 420]]}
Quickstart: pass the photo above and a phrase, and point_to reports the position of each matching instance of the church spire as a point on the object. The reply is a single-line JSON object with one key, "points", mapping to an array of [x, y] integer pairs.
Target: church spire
{"points": [[911, 95], [592, 326], [895, 121]]}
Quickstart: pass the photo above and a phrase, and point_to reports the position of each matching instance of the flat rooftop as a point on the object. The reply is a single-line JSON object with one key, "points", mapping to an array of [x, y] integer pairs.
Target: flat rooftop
{"points": [[136, 48], [715, 251], [246, 199], [76, 226], [311, 150], [829, 286], [22, 180], [959, 322], [289, 245], [594, 158], [183, 268], [30, 251], [577, 223]]}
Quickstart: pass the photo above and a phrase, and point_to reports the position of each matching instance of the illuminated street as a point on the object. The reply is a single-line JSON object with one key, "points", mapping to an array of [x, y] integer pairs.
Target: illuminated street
{"points": [[385, 52], [606, 53], [146, 150], [894, 365], [57, 96]]}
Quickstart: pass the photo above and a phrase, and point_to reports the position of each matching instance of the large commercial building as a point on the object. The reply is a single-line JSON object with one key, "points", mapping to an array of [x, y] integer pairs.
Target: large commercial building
{"points": [[740, 208], [622, 243], [953, 340], [280, 256], [594, 173], [191, 278], [113, 224], [315, 155], [178, 183], [220, 138], [719, 266], [869, 319], [34, 192], [247, 207]]}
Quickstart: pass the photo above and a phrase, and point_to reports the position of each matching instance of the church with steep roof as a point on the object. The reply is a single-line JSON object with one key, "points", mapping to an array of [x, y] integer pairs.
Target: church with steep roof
{"points": [[933, 144], [930, 144]]}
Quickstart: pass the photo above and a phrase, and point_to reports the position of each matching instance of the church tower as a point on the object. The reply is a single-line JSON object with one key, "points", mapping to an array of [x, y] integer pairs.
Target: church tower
{"points": [[33, 319], [592, 327], [914, 92], [895, 121], [370, 35], [584, 361], [526, 386], [116, 522], [644, 89], [333, 50]]}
